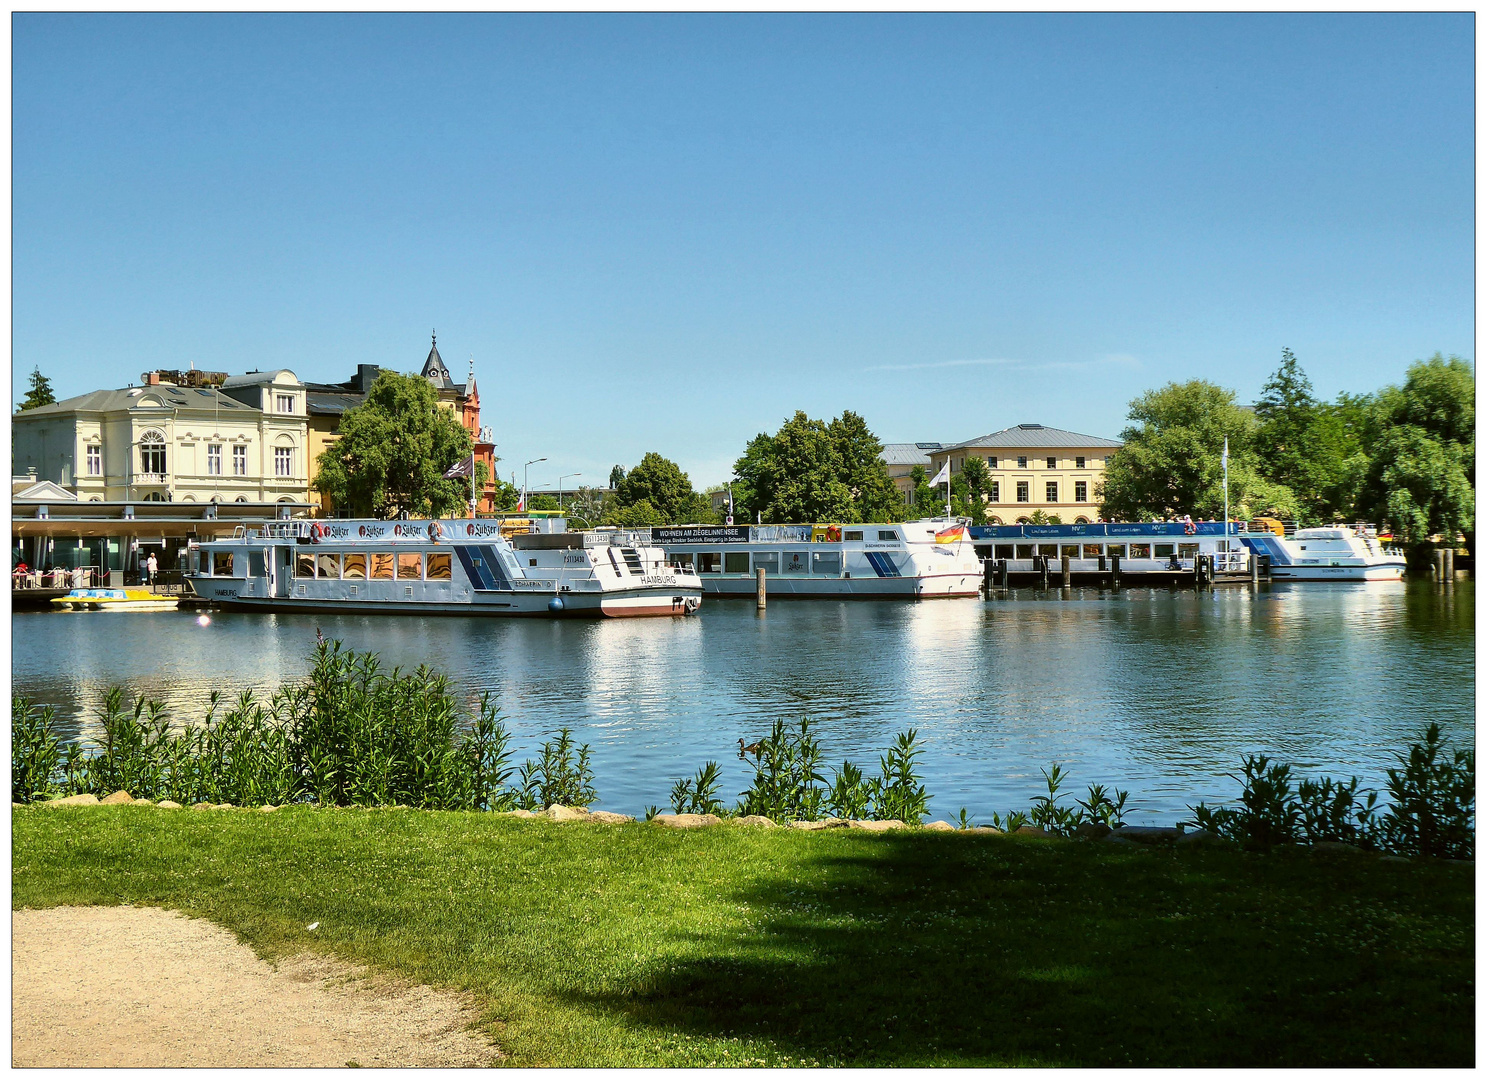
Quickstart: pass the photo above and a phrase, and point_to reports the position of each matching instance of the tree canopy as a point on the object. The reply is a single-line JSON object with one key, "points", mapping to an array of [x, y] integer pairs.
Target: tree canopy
{"points": [[1171, 461], [40, 392], [812, 470], [1421, 448], [657, 492], [393, 451]]}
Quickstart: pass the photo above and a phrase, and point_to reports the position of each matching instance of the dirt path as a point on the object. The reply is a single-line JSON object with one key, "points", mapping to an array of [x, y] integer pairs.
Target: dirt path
{"points": [[144, 987]]}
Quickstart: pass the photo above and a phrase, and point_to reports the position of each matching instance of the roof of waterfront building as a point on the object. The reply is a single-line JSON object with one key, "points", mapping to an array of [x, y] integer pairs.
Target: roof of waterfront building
{"points": [[1034, 435], [317, 404], [434, 370], [161, 396], [907, 453], [260, 378]]}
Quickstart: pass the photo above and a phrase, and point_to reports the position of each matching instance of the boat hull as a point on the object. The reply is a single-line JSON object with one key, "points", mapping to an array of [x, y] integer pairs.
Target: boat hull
{"points": [[1376, 572], [806, 588]]}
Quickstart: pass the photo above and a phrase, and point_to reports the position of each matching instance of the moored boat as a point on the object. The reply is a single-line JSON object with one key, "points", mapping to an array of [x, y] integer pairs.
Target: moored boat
{"points": [[1330, 553], [115, 600], [917, 560], [448, 567]]}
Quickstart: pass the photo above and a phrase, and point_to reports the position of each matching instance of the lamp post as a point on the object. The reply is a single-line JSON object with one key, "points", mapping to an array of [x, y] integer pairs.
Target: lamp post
{"points": [[560, 486], [524, 469]]}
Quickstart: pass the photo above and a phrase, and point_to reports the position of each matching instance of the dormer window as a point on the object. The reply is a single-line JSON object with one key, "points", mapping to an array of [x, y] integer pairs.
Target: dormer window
{"points": [[284, 403]]}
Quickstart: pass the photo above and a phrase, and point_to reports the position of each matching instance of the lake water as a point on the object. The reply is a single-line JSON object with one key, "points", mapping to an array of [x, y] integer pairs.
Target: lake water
{"points": [[1157, 691]]}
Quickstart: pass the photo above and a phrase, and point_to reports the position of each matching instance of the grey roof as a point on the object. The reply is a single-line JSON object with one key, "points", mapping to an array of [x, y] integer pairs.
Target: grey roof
{"points": [[171, 397], [1034, 435], [258, 378], [435, 371], [318, 404], [905, 453]]}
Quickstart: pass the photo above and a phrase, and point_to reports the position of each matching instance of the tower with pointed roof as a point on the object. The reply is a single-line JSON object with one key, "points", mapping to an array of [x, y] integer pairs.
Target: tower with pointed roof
{"points": [[433, 368]]}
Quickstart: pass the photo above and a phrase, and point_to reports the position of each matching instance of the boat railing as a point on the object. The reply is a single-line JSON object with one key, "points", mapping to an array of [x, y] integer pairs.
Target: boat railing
{"points": [[287, 530]]}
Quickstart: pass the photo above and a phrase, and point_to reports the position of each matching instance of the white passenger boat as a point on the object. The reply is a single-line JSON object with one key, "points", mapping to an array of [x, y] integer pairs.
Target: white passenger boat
{"points": [[916, 560], [1333, 553], [1153, 551], [450, 567]]}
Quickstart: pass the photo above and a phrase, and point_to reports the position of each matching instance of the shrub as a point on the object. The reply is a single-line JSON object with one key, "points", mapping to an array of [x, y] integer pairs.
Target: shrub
{"points": [[787, 778], [1433, 801], [698, 795], [559, 776], [850, 794], [35, 750], [897, 795]]}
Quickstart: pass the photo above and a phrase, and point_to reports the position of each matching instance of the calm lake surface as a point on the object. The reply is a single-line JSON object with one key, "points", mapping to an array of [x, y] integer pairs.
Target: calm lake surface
{"points": [[1153, 690]]}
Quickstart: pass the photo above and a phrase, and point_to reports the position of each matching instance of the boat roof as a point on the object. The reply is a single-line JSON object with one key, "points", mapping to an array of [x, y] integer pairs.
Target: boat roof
{"points": [[1106, 528]]}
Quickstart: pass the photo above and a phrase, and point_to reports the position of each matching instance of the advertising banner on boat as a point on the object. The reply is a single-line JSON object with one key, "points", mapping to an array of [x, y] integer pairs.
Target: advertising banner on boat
{"points": [[702, 534]]}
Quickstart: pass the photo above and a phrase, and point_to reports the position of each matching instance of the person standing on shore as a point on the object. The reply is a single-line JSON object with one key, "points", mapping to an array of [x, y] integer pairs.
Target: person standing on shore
{"points": [[151, 566]]}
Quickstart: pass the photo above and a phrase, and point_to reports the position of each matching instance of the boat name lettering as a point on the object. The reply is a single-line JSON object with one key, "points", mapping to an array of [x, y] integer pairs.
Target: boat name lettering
{"points": [[705, 534], [532, 583], [657, 579]]}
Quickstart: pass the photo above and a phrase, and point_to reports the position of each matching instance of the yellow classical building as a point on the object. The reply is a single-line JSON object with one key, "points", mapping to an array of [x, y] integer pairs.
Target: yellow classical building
{"points": [[1033, 467]]}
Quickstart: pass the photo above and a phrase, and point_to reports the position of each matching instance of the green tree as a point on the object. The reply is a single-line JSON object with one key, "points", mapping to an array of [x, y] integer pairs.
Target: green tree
{"points": [[811, 470], [588, 506], [661, 484], [1421, 445], [40, 392], [616, 475], [393, 451], [969, 488], [1171, 460]]}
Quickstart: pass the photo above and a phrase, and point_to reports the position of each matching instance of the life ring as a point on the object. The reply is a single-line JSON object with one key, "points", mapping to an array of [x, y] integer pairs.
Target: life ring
{"points": [[833, 534], [317, 533], [436, 531], [1189, 529]]}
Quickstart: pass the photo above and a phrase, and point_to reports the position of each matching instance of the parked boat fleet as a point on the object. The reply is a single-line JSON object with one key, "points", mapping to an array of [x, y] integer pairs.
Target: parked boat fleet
{"points": [[459, 566]]}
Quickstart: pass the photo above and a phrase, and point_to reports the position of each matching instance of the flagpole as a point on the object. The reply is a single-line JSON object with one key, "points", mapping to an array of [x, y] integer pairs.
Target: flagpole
{"points": [[1226, 493]]}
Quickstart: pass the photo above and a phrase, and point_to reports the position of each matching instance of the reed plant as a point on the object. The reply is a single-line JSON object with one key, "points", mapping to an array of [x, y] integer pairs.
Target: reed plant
{"points": [[699, 794], [560, 775], [787, 783]]}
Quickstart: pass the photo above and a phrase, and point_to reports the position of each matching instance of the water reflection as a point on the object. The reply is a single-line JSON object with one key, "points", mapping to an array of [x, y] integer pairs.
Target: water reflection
{"points": [[1160, 691]]}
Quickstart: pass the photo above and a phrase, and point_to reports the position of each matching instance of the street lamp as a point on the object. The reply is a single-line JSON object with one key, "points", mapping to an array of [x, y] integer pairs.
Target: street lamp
{"points": [[524, 469], [560, 486]]}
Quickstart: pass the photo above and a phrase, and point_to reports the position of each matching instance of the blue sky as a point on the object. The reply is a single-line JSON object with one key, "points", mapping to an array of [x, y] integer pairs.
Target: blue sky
{"points": [[670, 232]]}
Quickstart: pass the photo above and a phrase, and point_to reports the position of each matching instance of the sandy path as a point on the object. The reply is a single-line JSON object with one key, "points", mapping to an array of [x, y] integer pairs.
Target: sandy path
{"points": [[125, 986]]}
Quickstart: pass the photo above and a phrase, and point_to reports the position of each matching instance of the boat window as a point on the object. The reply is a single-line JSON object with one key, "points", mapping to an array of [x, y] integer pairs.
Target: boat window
{"points": [[1091, 551], [1163, 551], [768, 561], [1140, 551], [709, 562], [1024, 551], [826, 562], [255, 564], [1116, 549], [680, 560], [1048, 549], [410, 566], [735, 562], [327, 566], [438, 566], [1004, 551], [796, 563], [222, 564], [354, 565], [381, 566], [853, 534], [1187, 551], [304, 564], [887, 534], [1071, 550]]}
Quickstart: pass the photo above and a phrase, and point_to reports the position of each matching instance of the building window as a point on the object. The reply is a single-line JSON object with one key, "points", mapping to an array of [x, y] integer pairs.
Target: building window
{"points": [[239, 461], [1022, 491], [284, 403], [1081, 491], [152, 453], [214, 459], [95, 461], [1050, 490], [283, 461], [1079, 463], [991, 462], [996, 491], [1053, 463], [1022, 463]]}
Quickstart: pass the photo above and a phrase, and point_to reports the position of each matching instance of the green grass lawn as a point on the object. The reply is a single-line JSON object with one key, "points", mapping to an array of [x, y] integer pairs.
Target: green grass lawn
{"points": [[639, 945]]}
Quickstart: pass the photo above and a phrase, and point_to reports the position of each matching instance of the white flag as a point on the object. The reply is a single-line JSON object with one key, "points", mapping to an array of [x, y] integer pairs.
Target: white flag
{"points": [[943, 476]]}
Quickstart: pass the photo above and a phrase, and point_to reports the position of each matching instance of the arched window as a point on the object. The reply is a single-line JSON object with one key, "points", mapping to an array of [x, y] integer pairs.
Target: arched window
{"points": [[152, 453], [154, 496], [1022, 521], [996, 520], [1081, 520], [241, 498]]}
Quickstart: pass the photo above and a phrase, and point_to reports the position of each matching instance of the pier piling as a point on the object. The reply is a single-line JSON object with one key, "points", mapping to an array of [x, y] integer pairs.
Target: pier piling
{"points": [[1064, 566], [1254, 569], [759, 589], [1115, 571], [1043, 570]]}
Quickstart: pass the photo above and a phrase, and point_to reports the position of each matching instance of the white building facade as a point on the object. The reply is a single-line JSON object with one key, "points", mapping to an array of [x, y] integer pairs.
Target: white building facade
{"points": [[246, 442]]}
